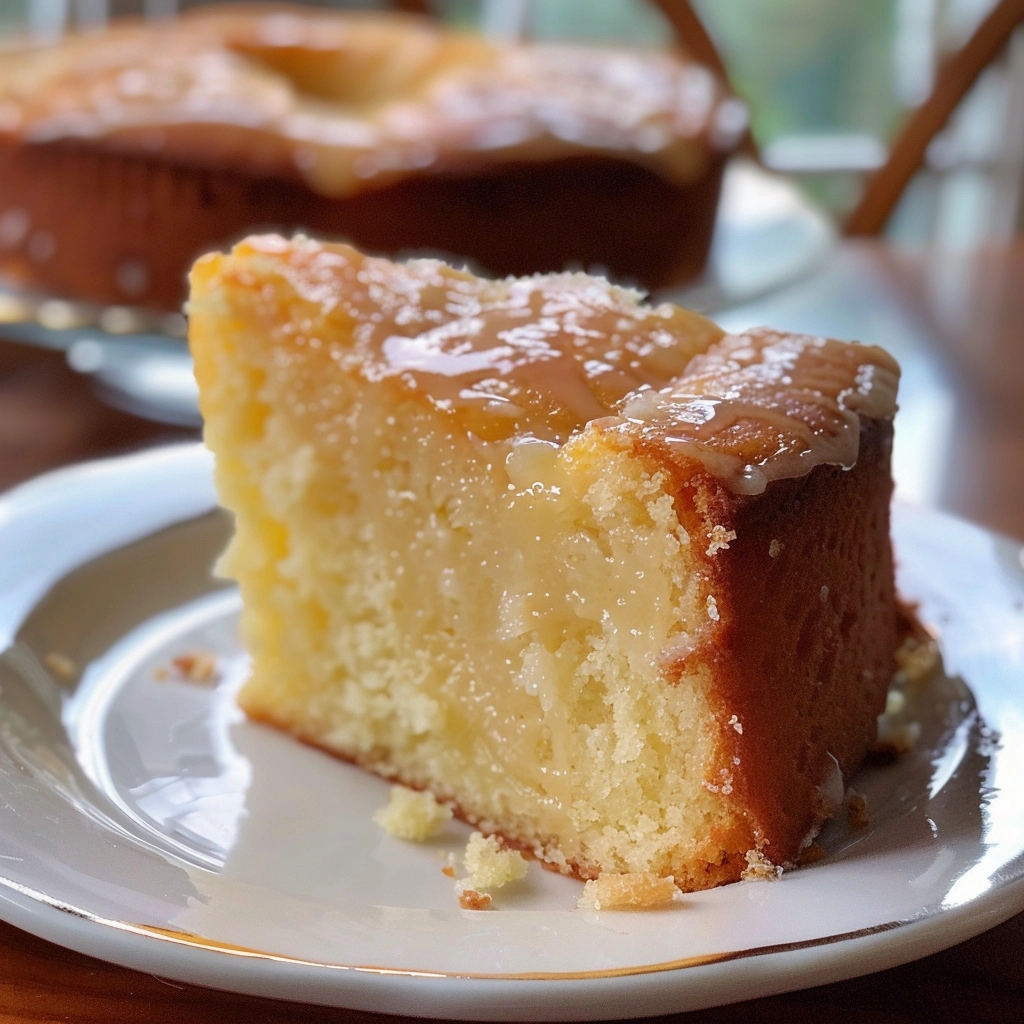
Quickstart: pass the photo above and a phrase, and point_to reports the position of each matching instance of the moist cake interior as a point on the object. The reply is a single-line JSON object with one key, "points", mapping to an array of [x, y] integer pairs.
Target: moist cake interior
{"points": [[488, 546]]}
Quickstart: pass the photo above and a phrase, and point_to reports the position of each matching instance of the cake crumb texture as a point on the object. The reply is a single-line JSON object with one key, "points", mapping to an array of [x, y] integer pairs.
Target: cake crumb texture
{"points": [[490, 865], [194, 667], [857, 810], [412, 815], [637, 890], [812, 853], [895, 703], [917, 658], [720, 538], [895, 738], [470, 899], [760, 869]]}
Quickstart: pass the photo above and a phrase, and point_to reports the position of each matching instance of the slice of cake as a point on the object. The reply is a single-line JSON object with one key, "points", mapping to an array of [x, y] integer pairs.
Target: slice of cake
{"points": [[614, 585]]}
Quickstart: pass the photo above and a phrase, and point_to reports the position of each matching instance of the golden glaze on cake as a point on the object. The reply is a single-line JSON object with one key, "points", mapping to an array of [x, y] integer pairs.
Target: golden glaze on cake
{"points": [[615, 585], [348, 107], [348, 103]]}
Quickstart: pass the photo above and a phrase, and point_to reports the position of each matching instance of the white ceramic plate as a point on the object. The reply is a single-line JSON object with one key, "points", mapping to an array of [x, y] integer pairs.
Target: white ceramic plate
{"points": [[142, 820]]}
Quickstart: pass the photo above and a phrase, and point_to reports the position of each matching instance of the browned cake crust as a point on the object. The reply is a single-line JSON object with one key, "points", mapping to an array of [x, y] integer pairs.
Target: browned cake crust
{"points": [[125, 229], [837, 673]]}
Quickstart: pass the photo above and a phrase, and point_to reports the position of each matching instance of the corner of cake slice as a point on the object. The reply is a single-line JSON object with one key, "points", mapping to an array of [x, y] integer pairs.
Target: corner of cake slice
{"points": [[616, 586]]}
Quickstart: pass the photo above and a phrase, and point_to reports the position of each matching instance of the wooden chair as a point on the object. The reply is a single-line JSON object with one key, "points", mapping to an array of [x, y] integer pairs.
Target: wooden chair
{"points": [[884, 188], [955, 78]]}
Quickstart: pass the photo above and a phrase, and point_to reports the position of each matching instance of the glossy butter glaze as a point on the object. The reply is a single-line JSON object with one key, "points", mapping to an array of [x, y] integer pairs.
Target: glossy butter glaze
{"points": [[541, 357], [348, 103], [765, 406]]}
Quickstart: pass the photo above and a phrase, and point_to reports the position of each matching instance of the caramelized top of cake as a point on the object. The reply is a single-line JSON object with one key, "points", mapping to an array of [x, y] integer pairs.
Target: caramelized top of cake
{"points": [[544, 356], [353, 101], [763, 406]]}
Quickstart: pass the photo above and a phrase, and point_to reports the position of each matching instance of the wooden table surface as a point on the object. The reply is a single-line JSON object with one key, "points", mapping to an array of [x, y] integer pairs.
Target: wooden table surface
{"points": [[955, 320]]}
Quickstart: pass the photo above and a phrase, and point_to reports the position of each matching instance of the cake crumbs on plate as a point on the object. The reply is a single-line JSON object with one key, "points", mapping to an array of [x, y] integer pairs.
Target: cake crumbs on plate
{"points": [[448, 868], [489, 864], [470, 899], [720, 539], [412, 815], [895, 738], [191, 667], [636, 890], [857, 810], [63, 667], [811, 854], [895, 703], [916, 659], [775, 548], [760, 869]]}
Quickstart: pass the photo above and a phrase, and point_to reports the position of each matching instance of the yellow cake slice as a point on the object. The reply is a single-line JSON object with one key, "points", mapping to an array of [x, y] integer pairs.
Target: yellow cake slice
{"points": [[614, 585]]}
